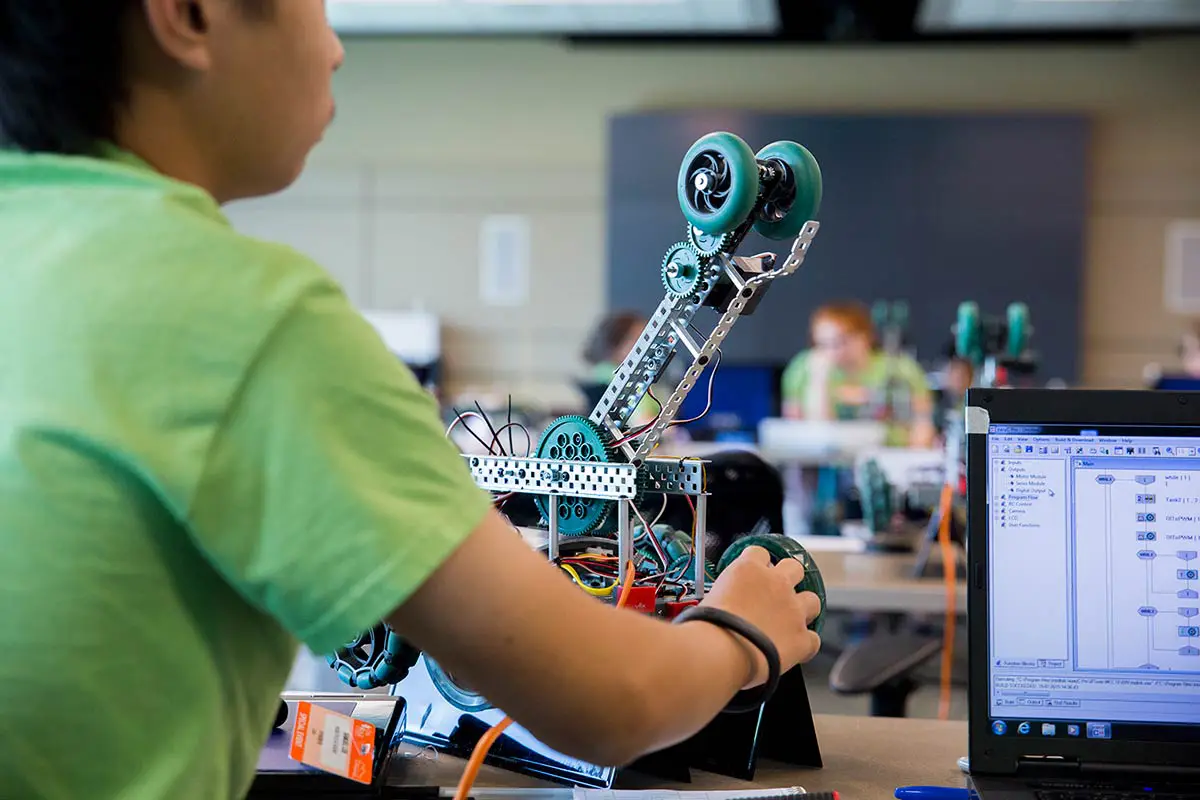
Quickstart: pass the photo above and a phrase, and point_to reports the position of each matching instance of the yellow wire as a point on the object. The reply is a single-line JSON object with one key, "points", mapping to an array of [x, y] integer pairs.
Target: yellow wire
{"points": [[605, 591]]}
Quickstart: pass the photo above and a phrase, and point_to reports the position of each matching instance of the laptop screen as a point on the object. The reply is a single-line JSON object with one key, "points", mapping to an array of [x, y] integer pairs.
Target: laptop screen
{"points": [[1094, 585]]}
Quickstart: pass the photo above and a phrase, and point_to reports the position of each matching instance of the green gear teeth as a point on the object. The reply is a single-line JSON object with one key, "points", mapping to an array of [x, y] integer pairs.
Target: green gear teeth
{"points": [[681, 269], [707, 244], [575, 438]]}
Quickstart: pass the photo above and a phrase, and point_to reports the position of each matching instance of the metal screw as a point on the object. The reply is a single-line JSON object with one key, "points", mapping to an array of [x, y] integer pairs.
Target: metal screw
{"points": [[701, 181], [672, 270]]}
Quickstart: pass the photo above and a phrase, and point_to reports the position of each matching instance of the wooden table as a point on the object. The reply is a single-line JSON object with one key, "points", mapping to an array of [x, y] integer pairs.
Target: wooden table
{"points": [[865, 758], [883, 582]]}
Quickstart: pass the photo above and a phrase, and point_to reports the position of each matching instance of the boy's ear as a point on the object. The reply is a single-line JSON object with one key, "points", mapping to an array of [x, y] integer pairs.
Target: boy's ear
{"points": [[180, 28]]}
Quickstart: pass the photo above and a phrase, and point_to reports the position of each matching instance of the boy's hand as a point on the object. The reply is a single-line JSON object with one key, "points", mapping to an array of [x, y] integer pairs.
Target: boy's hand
{"points": [[765, 596]]}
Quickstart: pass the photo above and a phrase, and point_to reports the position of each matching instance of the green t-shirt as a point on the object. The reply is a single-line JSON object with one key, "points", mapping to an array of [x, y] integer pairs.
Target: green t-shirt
{"points": [[908, 380], [206, 457]]}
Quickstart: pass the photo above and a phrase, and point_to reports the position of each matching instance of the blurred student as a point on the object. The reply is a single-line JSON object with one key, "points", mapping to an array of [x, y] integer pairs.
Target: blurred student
{"points": [[846, 376]]}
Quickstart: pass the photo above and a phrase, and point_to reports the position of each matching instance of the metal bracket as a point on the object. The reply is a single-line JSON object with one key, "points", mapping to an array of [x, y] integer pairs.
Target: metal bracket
{"points": [[667, 329], [602, 481], [588, 479]]}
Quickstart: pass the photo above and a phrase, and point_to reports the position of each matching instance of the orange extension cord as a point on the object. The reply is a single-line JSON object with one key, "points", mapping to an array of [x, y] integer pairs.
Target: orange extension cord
{"points": [[488, 739], [950, 570]]}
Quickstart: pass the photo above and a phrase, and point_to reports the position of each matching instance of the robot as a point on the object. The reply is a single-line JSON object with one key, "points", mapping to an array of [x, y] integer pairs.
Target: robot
{"points": [[997, 348], [588, 474]]}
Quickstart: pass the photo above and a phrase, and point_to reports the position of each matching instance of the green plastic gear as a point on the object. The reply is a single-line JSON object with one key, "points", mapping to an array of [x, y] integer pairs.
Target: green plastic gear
{"points": [[1018, 329], [784, 218], [707, 244], [967, 334], [876, 495], [718, 183], [781, 547], [574, 438], [681, 269]]}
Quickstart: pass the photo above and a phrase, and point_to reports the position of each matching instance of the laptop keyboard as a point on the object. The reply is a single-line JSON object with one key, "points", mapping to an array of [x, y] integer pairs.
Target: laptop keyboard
{"points": [[1115, 793]]}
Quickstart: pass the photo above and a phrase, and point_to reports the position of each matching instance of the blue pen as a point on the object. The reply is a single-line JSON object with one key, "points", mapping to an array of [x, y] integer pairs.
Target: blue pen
{"points": [[932, 793]]}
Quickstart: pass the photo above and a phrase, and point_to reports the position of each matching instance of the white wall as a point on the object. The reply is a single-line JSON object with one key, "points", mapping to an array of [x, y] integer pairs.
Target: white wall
{"points": [[433, 135]]}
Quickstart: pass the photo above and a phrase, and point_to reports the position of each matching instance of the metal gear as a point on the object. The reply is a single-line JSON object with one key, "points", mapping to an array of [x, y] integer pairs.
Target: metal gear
{"points": [[681, 269], [707, 244], [574, 438]]}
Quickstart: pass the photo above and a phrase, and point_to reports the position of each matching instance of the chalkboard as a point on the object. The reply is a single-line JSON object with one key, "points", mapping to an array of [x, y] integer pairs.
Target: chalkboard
{"points": [[931, 209]]}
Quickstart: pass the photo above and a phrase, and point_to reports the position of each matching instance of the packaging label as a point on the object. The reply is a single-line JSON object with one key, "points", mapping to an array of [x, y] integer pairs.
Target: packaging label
{"points": [[333, 743]]}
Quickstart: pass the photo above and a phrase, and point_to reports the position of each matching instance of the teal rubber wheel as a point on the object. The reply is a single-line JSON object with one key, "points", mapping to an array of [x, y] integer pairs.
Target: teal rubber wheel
{"points": [[718, 183], [376, 658], [799, 199], [1018, 329], [781, 547], [967, 333], [453, 691]]}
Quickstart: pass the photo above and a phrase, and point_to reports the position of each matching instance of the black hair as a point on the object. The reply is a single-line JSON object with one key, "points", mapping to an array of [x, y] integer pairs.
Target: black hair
{"points": [[611, 331], [62, 75]]}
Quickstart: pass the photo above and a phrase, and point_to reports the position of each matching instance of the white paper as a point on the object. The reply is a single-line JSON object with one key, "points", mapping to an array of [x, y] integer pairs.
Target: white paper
{"points": [[504, 261]]}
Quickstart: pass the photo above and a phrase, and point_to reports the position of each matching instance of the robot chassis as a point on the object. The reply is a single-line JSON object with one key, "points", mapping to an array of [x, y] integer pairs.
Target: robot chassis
{"points": [[586, 473]]}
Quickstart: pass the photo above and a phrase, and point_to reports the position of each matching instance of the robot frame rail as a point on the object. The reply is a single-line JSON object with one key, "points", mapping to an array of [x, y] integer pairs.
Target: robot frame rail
{"points": [[562, 481]]}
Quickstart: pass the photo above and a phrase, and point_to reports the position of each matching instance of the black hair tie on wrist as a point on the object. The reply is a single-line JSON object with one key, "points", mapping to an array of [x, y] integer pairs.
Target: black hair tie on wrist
{"points": [[749, 699]]}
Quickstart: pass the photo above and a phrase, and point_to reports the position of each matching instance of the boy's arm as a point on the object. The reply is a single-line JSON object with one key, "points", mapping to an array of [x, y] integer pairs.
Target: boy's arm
{"points": [[598, 683]]}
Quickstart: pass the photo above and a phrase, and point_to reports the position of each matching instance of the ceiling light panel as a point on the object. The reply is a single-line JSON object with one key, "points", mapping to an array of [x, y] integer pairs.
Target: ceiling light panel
{"points": [[563, 17]]}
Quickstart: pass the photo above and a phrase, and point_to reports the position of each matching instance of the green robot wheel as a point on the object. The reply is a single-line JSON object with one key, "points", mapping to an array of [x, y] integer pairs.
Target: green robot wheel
{"points": [[455, 693], [1018, 329], [718, 183], [967, 342], [781, 547], [378, 657], [785, 217]]}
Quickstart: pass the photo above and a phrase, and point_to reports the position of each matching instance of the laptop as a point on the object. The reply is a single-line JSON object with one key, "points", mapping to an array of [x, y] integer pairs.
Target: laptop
{"points": [[1084, 593]]}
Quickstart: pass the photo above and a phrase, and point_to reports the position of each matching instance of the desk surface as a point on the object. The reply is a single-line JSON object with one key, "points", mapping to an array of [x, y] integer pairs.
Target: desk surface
{"points": [[883, 582], [865, 758]]}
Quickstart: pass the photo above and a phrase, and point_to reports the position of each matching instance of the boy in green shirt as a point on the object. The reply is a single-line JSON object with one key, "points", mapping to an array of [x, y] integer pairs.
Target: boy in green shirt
{"points": [[207, 456]]}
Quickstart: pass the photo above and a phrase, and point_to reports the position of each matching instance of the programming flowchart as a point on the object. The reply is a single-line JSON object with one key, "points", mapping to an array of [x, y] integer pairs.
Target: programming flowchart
{"points": [[1137, 554]]}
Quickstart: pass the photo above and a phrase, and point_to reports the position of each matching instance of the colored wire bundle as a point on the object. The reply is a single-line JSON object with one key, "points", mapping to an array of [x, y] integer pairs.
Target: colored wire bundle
{"points": [[712, 376]]}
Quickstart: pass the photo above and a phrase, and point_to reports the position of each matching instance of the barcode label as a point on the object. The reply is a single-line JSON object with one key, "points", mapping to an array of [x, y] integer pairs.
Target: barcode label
{"points": [[333, 742]]}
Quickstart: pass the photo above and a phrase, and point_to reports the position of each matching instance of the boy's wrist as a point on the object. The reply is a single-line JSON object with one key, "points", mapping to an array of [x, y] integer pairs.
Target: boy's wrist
{"points": [[747, 667]]}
